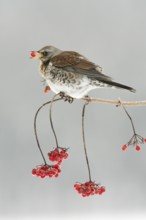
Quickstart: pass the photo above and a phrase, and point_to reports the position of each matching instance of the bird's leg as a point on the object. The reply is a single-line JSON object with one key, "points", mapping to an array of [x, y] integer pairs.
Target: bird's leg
{"points": [[66, 97], [88, 99]]}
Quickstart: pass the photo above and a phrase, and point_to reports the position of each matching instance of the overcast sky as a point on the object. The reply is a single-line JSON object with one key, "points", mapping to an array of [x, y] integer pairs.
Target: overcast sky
{"points": [[111, 33]]}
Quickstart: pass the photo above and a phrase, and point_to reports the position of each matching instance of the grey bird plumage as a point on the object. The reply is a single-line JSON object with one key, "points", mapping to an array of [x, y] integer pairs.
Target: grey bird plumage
{"points": [[71, 73]]}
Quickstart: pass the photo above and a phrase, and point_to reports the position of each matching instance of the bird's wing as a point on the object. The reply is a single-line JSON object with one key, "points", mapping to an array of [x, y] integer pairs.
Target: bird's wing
{"points": [[75, 62]]}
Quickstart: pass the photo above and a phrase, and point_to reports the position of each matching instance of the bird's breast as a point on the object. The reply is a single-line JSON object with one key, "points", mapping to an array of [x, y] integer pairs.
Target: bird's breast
{"points": [[59, 80], [58, 75]]}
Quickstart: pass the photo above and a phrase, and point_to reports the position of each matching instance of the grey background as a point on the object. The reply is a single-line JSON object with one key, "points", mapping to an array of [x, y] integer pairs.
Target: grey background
{"points": [[111, 34]]}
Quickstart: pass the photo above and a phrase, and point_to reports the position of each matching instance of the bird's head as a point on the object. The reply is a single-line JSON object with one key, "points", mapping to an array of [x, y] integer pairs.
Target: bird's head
{"points": [[45, 53]]}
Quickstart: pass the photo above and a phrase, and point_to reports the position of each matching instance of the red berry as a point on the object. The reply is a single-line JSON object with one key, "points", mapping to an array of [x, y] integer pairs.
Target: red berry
{"points": [[34, 172], [124, 147], [137, 148], [86, 184], [76, 186], [33, 54]]}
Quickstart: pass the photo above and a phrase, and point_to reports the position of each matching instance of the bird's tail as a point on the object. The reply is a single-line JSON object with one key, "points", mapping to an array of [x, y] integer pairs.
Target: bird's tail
{"points": [[120, 86]]}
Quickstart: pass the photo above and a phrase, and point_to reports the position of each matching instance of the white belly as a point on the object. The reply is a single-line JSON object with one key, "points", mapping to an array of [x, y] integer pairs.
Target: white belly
{"points": [[74, 91]]}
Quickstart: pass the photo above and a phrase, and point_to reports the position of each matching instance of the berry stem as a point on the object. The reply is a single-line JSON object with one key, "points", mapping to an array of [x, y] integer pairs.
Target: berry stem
{"points": [[35, 126], [51, 122], [129, 118], [84, 141]]}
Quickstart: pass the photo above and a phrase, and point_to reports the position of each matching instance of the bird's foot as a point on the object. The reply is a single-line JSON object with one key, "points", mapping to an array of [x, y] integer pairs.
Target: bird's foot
{"points": [[62, 94], [66, 98]]}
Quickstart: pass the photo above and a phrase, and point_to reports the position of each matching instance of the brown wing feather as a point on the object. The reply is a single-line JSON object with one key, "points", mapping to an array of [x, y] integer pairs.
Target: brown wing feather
{"points": [[66, 58], [74, 62]]}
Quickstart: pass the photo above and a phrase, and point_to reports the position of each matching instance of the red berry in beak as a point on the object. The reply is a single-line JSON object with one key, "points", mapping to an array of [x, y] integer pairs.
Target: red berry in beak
{"points": [[33, 54]]}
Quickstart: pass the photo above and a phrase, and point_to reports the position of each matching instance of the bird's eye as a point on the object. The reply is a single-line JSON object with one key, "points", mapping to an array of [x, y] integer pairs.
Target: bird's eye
{"points": [[45, 53]]}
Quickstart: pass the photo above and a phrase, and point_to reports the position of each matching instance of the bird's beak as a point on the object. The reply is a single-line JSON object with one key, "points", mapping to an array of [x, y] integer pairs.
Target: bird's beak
{"points": [[35, 55]]}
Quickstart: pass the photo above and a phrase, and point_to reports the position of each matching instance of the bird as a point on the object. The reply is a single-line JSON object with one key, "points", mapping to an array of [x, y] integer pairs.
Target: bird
{"points": [[71, 74]]}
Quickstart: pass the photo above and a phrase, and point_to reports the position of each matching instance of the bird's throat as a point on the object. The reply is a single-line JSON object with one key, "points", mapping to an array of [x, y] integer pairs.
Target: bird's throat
{"points": [[43, 66]]}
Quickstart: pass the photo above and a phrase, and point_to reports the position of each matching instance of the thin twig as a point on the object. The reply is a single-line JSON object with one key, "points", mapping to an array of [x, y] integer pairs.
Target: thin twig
{"points": [[35, 126], [84, 141], [51, 122], [132, 124]]}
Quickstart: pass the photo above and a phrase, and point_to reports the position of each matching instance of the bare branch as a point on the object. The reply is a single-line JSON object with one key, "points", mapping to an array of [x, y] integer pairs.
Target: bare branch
{"points": [[116, 102]]}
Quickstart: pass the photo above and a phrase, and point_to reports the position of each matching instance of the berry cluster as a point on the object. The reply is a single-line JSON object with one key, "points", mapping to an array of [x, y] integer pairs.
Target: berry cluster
{"points": [[58, 154], [135, 141], [46, 170], [89, 188], [125, 146]]}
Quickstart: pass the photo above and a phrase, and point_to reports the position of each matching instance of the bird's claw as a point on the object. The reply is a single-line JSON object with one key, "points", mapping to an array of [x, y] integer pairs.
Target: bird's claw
{"points": [[66, 98]]}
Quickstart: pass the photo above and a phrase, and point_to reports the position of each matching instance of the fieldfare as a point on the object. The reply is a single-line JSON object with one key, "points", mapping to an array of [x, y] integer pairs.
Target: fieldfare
{"points": [[70, 74]]}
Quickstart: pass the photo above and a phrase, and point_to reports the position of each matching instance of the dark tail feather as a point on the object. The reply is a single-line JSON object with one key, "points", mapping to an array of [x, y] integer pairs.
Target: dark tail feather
{"points": [[121, 86]]}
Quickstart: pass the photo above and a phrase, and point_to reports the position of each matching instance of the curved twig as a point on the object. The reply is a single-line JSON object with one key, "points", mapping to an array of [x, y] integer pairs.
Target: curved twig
{"points": [[51, 121], [84, 141], [35, 127]]}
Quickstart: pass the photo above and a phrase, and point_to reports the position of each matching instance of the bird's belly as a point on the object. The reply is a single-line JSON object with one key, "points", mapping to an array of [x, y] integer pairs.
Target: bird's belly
{"points": [[74, 85], [75, 90]]}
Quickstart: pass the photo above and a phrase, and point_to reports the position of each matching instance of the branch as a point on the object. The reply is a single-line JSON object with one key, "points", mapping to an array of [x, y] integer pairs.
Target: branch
{"points": [[88, 99], [116, 102]]}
